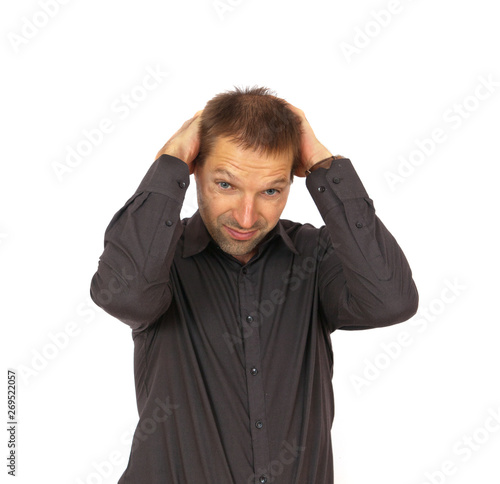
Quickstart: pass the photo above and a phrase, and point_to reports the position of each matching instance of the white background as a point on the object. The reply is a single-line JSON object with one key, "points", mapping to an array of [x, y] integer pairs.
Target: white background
{"points": [[402, 412]]}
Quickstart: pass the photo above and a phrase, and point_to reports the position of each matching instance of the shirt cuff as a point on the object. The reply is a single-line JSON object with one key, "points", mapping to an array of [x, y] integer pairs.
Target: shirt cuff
{"points": [[333, 186], [169, 176]]}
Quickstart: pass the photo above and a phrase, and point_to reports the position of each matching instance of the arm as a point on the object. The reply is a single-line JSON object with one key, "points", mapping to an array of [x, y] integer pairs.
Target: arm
{"points": [[365, 281], [132, 280]]}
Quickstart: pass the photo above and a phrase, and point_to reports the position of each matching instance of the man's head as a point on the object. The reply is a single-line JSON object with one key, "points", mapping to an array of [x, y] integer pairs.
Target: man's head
{"points": [[255, 119], [249, 149]]}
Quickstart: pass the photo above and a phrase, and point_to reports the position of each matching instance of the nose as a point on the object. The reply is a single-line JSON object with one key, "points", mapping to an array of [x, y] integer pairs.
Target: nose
{"points": [[246, 213]]}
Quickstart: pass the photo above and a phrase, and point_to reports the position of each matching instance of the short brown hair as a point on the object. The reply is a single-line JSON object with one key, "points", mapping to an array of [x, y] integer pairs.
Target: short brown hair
{"points": [[255, 119]]}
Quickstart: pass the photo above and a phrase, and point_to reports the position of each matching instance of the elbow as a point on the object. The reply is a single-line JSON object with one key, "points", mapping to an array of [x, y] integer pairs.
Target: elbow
{"points": [[137, 309], [398, 308], [108, 297]]}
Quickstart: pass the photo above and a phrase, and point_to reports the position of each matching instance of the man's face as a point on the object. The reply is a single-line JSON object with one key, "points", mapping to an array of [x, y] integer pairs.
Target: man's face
{"points": [[241, 196]]}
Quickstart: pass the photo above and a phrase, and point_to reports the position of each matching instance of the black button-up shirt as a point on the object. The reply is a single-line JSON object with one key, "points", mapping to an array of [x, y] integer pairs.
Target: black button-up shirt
{"points": [[233, 363]]}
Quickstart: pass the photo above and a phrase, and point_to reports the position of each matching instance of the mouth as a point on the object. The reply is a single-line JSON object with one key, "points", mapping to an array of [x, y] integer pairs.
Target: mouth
{"points": [[240, 235]]}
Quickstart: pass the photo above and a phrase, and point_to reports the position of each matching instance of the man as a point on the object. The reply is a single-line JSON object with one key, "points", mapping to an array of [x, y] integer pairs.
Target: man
{"points": [[232, 309]]}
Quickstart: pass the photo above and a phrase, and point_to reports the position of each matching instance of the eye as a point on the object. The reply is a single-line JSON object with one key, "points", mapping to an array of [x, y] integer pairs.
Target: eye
{"points": [[271, 192], [224, 185]]}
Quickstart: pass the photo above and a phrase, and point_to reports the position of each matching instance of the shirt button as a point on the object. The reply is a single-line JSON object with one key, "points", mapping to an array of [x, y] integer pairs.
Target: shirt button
{"points": [[336, 180], [244, 270], [263, 479], [168, 223], [359, 225], [321, 189], [253, 371], [182, 184], [259, 424], [249, 319]]}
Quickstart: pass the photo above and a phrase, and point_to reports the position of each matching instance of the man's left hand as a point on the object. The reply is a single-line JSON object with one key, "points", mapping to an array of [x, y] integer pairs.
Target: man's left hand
{"points": [[312, 150]]}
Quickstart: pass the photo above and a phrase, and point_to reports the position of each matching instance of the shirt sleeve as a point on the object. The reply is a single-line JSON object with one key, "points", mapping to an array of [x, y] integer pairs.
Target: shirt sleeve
{"points": [[365, 280], [132, 279]]}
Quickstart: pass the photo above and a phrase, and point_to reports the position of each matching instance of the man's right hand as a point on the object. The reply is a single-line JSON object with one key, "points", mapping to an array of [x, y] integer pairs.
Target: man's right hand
{"points": [[185, 143]]}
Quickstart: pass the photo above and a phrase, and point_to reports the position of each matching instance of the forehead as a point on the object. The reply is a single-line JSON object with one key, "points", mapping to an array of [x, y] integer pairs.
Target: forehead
{"points": [[227, 155]]}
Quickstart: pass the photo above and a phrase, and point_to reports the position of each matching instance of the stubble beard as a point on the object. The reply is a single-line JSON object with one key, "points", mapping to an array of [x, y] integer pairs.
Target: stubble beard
{"points": [[224, 240], [230, 245]]}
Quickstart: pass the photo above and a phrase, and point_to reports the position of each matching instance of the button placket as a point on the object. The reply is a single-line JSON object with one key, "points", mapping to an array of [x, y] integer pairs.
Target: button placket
{"points": [[255, 388]]}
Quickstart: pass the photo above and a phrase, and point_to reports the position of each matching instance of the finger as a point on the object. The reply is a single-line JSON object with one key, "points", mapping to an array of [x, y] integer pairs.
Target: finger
{"points": [[295, 109], [191, 120]]}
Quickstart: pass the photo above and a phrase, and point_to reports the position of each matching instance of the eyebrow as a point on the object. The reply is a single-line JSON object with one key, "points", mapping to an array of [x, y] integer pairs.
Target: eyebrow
{"points": [[222, 171]]}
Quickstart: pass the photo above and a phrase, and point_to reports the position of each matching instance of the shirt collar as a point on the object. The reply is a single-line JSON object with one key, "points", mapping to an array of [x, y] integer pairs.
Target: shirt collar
{"points": [[197, 237]]}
